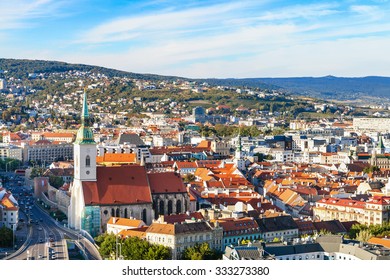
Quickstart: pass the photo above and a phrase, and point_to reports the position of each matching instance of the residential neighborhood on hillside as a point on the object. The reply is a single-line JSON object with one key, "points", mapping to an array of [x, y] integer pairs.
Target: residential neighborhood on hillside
{"points": [[226, 182], [139, 137]]}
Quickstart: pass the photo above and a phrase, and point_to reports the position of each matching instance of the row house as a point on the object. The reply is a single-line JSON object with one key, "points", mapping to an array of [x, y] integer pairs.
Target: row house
{"points": [[374, 211], [179, 236]]}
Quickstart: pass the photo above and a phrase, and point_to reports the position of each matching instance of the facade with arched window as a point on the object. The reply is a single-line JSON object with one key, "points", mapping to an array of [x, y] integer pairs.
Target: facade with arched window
{"points": [[169, 194]]}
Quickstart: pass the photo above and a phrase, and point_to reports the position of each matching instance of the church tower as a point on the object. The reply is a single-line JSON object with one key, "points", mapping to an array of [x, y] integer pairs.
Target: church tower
{"points": [[238, 157], [84, 148], [380, 148]]}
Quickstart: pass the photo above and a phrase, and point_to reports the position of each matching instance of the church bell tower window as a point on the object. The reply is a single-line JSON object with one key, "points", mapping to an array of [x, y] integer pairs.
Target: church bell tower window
{"points": [[87, 161]]}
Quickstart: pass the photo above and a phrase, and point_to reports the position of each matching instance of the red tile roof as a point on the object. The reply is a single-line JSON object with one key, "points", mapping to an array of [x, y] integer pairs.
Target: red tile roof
{"points": [[166, 182], [179, 218], [118, 185]]}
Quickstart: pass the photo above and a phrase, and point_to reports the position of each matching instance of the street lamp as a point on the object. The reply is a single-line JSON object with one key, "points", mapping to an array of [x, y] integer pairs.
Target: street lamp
{"points": [[118, 244], [6, 169]]}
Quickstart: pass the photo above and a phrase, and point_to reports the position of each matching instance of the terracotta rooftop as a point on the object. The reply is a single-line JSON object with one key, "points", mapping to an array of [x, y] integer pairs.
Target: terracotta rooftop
{"points": [[125, 222], [116, 158], [166, 182], [118, 185]]}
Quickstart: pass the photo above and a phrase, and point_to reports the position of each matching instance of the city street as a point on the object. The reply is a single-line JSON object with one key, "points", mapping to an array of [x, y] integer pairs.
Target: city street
{"points": [[39, 236]]}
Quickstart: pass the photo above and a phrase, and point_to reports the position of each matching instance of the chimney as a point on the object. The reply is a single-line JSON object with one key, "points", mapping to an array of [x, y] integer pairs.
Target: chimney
{"points": [[161, 218]]}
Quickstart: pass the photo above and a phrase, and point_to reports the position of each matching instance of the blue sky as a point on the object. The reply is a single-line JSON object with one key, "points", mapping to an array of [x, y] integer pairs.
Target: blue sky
{"points": [[204, 39]]}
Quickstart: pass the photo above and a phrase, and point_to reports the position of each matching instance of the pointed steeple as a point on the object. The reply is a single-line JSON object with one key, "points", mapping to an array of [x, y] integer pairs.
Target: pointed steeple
{"points": [[84, 134], [239, 146], [380, 149], [84, 110]]}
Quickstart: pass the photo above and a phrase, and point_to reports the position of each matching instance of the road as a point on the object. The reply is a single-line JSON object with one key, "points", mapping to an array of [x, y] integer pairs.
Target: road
{"points": [[40, 237]]}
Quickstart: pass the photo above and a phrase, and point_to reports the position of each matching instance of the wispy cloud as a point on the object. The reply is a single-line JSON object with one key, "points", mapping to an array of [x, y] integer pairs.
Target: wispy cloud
{"points": [[220, 39], [18, 13], [301, 12], [160, 24], [370, 12]]}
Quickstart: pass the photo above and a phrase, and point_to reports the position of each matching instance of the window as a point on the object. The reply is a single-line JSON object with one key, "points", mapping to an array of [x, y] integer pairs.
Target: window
{"points": [[87, 161]]}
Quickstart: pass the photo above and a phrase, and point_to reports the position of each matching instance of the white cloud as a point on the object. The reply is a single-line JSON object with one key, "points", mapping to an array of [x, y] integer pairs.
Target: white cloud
{"points": [[369, 12], [301, 11], [17, 13], [161, 24], [219, 41]]}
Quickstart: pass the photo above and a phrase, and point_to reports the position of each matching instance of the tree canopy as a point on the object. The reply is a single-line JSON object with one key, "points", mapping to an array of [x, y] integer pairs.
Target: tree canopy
{"points": [[200, 252], [132, 248]]}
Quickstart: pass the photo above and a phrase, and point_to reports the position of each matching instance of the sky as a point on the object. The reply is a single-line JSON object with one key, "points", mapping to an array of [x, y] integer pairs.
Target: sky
{"points": [[204, 39]]}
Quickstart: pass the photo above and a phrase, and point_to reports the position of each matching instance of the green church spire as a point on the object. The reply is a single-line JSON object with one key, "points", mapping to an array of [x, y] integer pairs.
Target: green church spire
{"points": [[380, 143], [84, 111], [84, 134]]}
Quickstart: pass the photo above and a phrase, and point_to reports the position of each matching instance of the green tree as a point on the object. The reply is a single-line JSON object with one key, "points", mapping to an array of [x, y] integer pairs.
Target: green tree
{"points": [[355, 229], [189, 178], [107, 244], [56, 181], [158, 252], [132, 248], [364, 235], [371, 169], [324, 232], [36, 171], [200, 252], [6, 237]]}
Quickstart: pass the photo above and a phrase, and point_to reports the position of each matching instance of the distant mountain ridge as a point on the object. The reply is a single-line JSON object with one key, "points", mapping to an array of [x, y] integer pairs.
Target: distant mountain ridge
{"points": [[328, 87], [335, 87]]}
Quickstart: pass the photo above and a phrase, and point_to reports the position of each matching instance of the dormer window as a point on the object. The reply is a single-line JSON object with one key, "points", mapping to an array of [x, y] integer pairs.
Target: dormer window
{"points": [[87, 161]]}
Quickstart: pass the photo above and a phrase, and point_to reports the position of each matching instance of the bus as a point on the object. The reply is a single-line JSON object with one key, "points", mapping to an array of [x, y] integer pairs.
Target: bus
{"points": [[20, 172]]}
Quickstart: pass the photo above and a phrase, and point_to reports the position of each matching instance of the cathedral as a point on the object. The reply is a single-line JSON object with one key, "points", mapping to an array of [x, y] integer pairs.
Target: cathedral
{"points": [[101, 192]]}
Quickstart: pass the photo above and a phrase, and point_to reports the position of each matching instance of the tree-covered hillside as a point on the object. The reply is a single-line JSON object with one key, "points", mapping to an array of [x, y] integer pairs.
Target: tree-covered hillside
{"points": [[20, 68]]}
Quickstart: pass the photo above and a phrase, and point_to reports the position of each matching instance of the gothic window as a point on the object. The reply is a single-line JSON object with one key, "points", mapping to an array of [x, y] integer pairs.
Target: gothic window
{"points": [[126, 213], [112, 212], [87, 161], [161, 208], [170, 206], [155, 208], [117, 212], [144, 215], [178, 207]]}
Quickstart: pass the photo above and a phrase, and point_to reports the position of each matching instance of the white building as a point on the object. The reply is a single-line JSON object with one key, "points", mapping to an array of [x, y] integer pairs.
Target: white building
{"points": [[9, 210]]}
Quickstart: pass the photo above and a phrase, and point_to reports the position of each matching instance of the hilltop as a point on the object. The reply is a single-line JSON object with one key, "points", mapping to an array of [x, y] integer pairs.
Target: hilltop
{"points": [[371, 89], [20, 68]]}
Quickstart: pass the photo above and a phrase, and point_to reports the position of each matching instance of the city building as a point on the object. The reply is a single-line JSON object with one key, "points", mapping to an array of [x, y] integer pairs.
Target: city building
{"points": [[9, 210], [179, 236], [373, 211], [371, 124], [99, 193]]}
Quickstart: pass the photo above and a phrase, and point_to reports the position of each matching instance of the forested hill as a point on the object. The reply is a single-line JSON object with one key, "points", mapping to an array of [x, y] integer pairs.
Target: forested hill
{"points": [[328, 87], [20, 68]]}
